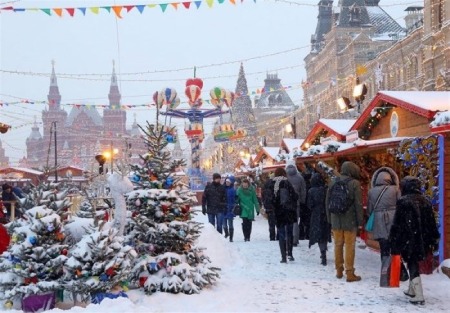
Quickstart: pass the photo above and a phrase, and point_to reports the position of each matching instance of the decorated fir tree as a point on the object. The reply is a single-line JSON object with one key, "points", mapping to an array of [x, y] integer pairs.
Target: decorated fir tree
{"points": [[161, 229], [34, 261], [98, 263], [156, 166]]}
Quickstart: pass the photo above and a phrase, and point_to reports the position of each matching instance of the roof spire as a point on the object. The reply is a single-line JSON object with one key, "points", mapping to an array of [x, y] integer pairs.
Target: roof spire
{"points": [[114, 93], [53, 81]]}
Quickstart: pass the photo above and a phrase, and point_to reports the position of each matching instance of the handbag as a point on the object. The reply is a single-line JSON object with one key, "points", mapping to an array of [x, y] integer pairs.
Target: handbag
{"points": [[369, 224], [237, 210]]}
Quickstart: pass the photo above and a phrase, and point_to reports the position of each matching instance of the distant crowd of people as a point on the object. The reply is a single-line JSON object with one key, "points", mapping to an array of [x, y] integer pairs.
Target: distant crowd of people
{"points": [[304, 206]]}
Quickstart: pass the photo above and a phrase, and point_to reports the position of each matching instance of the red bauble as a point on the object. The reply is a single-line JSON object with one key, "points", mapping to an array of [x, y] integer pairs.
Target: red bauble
{"points": [[64, 252], [165, 208], [111, 271]]}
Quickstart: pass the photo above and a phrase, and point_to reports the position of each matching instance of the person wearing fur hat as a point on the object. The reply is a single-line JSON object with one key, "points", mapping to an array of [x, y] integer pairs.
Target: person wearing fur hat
{"points": [[382, 199], [228, 226], [414, 233], [214, 202]]}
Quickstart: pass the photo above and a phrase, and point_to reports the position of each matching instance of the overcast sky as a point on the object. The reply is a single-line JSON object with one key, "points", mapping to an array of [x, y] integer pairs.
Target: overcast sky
{"points": [[175, 40]]}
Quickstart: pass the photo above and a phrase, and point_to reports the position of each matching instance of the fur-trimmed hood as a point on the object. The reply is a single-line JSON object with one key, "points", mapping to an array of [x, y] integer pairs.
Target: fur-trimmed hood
{"points": [[385, 176]]}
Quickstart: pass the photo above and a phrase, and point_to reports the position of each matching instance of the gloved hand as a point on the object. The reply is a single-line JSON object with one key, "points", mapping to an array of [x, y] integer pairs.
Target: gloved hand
{"points": [[257, 213], [204, 211]]}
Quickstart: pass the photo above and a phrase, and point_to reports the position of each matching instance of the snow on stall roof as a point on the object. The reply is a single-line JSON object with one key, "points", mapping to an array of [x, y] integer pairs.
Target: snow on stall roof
{"points": [[272, 151], [428, 100], [340, 126], [440, 119], [27, 170], [291, 144]]}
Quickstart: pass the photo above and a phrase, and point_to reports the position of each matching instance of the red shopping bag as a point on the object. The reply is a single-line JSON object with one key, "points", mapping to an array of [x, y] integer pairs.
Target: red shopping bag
{"points": [[394, 280]]}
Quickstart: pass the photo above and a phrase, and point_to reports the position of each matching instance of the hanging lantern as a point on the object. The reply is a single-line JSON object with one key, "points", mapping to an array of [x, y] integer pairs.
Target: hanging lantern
{"points": [[166, 96], [195, 81]]}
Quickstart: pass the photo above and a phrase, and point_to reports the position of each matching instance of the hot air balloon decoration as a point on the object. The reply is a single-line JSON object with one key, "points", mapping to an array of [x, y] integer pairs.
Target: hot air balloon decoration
{"points": [[217, 96], [193, 93], [223, 132], [166, 96], [228, 98]]}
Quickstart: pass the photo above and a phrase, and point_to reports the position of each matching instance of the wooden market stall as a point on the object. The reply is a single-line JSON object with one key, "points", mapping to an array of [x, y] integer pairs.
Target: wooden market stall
{"points": [[394, 130]]}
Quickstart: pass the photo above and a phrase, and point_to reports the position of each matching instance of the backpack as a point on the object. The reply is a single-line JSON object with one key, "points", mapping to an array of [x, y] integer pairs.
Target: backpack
{"points": [[338, 199], [282, 199]]}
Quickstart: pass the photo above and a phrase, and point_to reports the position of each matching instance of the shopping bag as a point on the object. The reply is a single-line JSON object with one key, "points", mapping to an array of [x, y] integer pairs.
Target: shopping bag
{"points": [[369, 224], [385, 271], [394, 280], [237, 210]]}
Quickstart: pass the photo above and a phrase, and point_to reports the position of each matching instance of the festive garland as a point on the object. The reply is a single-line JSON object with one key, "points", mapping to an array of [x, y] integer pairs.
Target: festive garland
{"points": [[371, 122]]}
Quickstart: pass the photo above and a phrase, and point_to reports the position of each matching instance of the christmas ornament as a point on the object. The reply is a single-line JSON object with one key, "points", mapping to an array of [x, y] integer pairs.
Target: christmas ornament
{"points": [[64, 252], [135, 177], [14, 238], [169, 138], [138, 202], [152, 267], [103, 277], [111, 271], [169, 181], [50, 227], [151, 247], [8, 304], [176, 212], [33, 240], [182, 233]]}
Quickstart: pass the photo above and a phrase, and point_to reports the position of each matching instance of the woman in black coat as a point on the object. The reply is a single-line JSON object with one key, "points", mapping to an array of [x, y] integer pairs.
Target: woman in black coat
{"points": [[285, 215], [320, 229], [414, 233]]}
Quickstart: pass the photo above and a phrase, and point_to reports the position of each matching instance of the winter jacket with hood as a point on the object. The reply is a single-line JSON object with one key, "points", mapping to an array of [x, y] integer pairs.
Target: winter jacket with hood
{"points": [[283, 217], [231, 197], [297, 181], [248, 201], [384, 177], [214, 199], [414, 233], [353, 218], [319, 230]]}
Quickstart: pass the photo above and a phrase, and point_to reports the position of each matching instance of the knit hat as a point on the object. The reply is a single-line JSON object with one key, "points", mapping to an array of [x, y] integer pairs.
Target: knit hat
{"points": [[216, 175], [6, 186]]}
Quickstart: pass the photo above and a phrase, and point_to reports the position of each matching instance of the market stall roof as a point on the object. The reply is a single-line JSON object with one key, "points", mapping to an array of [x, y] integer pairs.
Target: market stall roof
{"points": [[290, 144], [424, 103], [21, 169], [343, 148], [270, 152], [336, 127]]}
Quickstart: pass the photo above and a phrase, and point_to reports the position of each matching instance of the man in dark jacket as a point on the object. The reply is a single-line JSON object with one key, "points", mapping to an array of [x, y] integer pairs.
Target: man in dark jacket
{"points": [[214, 202], [345, 225], [8, 198], [269, 209], [298, 182]]}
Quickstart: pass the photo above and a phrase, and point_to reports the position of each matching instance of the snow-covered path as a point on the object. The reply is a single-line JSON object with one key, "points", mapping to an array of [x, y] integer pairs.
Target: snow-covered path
{"points": [[253, 280]]}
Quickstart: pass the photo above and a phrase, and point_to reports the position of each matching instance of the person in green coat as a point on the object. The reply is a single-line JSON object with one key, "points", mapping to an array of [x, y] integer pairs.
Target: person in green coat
{"points": [[247, 200]]}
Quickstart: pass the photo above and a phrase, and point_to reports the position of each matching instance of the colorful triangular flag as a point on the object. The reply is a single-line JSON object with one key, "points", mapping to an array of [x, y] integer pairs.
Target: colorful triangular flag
{"points": [[186, 4], [163, 6], [83, 10], [47, 11], [140, 8], [71, 11], [198, 4], [58, 11]]}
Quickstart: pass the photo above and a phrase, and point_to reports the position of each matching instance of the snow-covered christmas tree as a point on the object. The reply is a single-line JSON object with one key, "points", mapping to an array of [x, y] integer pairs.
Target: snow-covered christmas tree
{"points": [[34, 260], [161, 229]]}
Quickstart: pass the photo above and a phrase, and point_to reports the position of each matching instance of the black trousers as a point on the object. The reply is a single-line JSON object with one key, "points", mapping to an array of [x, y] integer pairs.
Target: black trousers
{"points": [[385, 247], [272, 223]]}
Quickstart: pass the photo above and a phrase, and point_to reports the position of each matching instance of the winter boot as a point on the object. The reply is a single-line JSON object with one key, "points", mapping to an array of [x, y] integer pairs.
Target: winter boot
{"points": [[323, 257], [225, 229], [282, 244], [418, 291], [244, 231], [249, 230], [410, 291], [231, 234], [351, 277], [339, 260], [289, 249]]}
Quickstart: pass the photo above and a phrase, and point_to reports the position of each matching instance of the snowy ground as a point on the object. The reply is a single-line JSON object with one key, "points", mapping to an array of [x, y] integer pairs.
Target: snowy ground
{"points": [[253, 280]]}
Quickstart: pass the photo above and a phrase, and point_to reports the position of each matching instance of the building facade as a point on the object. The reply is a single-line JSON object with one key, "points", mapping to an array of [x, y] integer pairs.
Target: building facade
{"points": [[363, 44], [82, 133]]}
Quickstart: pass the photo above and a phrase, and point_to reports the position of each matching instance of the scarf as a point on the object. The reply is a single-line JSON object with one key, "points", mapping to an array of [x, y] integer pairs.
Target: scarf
{"points": [[277, 180]]}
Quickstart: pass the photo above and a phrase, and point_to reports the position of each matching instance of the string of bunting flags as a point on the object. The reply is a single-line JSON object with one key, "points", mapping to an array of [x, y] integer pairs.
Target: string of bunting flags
{"points": [[118, 10]]}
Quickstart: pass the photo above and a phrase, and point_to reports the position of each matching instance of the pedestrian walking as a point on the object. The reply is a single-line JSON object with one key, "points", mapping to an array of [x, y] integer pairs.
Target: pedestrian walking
{"points": [[344, 198], [284, 199], [298, 182], [246, 199], [382, 200], [267, 196], [414, 233], [214, 202], [228, 226], [320, 229]]}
